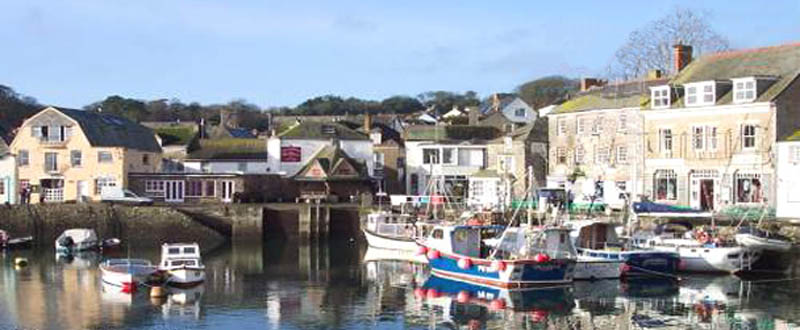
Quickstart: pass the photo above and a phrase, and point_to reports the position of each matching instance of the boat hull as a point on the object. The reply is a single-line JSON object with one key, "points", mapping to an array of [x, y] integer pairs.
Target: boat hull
{"points": [[391, 243], [186, 277], [517, 273], [753, 241], [639, 263], [597, 268], [714, 259]]}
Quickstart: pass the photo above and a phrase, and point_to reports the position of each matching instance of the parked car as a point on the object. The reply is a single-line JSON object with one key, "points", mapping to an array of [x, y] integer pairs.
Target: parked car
{"points": [[122, 196]]}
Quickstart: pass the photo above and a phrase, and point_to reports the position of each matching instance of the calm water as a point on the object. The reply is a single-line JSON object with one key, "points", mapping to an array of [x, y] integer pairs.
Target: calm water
{"points": [[329, 285]]}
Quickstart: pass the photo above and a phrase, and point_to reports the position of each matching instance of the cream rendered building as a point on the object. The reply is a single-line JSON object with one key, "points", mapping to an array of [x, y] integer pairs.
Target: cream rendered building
{"points": [[711, 132], [8, 175], [66, 154]]}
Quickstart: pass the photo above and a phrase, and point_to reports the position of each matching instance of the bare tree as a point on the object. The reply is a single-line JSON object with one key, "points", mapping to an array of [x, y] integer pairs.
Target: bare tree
{"points": [[650, 47]]}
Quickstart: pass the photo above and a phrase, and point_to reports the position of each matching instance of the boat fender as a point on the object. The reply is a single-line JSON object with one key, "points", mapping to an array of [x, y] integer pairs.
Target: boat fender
{"points": [[128, 287], [432, 293], [541, 257], [421, 250], [464, 263], [498, 265], [463, 297], [420, 293], [433, 254], [497, 304]]}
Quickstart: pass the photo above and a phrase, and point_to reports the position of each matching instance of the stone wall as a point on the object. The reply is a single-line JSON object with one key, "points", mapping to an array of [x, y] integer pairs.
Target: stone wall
{"points": [[138, 226]]}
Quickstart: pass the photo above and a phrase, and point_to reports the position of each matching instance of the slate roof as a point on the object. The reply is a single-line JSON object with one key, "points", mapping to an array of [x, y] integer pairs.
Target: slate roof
{"points": [[329, 158], [313, 130], [497, 119], [505, 99], [3, 147], [230, 149], [535, 131], [451, 133], [614, 96], [107, 130]]}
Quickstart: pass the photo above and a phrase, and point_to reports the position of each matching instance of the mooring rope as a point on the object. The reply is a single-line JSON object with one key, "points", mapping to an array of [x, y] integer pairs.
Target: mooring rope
{"points": [[656, 272]]}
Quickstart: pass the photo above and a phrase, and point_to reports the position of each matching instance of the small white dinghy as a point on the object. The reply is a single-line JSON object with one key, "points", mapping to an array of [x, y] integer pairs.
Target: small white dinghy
{"points": [[762, 239], [183, 264], [127, 273], [596, 268], [76, 240]]}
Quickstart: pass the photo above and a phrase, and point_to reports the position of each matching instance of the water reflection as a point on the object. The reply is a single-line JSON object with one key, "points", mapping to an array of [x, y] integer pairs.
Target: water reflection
{"points": [[339, 284]]}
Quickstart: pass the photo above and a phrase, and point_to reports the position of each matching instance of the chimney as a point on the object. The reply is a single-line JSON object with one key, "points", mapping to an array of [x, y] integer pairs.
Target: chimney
{"points": [[474, 113], [367, 122], [587, 83], [682, 55], [495, 102], [223, 117], [654, 74]]}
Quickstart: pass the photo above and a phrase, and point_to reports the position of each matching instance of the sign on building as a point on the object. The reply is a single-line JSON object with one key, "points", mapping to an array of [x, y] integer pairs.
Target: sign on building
{"points": [[290, 154]]}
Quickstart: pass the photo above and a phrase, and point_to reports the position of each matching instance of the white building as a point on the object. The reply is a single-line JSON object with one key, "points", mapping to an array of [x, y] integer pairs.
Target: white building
{"points": [[8, 175], [289, 151], [488, 190], [228, 155], [511, 106], [788, 180]]}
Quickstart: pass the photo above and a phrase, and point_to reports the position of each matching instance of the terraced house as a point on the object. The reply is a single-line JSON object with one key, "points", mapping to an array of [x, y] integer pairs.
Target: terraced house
{"points": [[65, 154], [711, 131]]}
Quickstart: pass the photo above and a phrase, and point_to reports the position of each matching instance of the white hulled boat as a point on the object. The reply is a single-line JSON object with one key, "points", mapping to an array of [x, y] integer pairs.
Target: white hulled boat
{"points": [[76, 240], [762, 239], [127, 273], [183, 264], [394, 231]]}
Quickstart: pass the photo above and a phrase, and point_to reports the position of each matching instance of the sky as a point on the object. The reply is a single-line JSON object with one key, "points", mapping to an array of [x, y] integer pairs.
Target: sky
{"points": [[279, 53]]}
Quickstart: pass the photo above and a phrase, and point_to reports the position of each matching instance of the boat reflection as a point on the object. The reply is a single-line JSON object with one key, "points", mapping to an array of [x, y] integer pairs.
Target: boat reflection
{"points": [[183, 302], [79, 260]]}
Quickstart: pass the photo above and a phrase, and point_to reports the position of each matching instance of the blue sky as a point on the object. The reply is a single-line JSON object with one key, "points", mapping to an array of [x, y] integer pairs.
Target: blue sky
{"points": [[72, 53]]}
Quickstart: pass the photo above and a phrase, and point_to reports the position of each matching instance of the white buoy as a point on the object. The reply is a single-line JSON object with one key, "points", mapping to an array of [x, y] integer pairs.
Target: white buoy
{"points": [[20, 262]]}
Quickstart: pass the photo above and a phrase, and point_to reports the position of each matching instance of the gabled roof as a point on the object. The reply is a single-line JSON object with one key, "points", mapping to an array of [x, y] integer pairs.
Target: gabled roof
{"points": [[497, 120], [331, 163], [312, 130], [504, 100], [107, 130], [451, 133], [535, 131], [630, 94], [230, 149]]}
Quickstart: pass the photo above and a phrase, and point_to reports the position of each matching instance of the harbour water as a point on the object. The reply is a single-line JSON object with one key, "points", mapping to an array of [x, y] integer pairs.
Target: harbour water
{"points": [[329, 285]]}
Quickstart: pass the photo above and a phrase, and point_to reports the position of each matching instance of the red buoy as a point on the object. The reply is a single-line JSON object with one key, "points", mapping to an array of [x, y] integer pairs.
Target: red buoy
{"points": [[433, 254], [463, 297], [422, 250], [541, 257], [497, 304], [464, 263]]}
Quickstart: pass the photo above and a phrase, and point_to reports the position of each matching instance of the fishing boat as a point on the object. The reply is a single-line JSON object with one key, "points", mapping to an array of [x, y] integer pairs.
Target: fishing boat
{"points": [[6, 242], [387, 230], [127, 273], [762, 239], [521, 257], [76, 240], [699, 250], [183, 264], [597, 239]]}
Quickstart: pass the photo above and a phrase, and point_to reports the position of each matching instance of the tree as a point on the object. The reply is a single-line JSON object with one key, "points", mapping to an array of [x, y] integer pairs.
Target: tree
{"points": [[650, 47], [14, 109], [443, 101], [401, 105], [547, 90]]}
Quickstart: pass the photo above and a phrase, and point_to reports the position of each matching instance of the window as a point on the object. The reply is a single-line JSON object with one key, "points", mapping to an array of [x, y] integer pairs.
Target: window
{"points": [[698, 137], [22, 158], [602, 155], [561, 155], [75, 158], [520, 112], [744, 90], [101, 183], [477, 188], [241, 167], [660, 97], [711, 138], [748, 188], [794, 153], [748, 136], [597, 128], [50, 161], [2, 187], [438, 234], [702, 93], [581, 125], [622, 154], [194, 188], [154, 188], [447, 156], [622, 122], [51, 134], [104, 157], [505, 163], [430, 156], [579, 154], [665, 139], [562, 127], [145, 159], [210, 189], [666, 185], [378, 158]]}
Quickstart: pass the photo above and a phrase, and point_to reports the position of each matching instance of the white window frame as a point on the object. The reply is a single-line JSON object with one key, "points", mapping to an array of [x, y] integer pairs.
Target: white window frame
{"points": [[523, 115], [742, 93], [23, 157], [597, 126], [745, 137], [671, 185], [580, 153], [660, 97], [712, 138], [698, 138], [580, 125], [662, 140], [434, 158], [622, 122], [101, 182], [561, 127], [51, 166], [699, 91], [622, 154], [154, 188], [561, 153], [76, 158], [603, 155], [105, 161]]}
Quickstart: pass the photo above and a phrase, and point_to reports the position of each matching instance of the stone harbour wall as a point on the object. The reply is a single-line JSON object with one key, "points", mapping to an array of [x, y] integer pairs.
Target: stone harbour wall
{"points": [[136, 226]]}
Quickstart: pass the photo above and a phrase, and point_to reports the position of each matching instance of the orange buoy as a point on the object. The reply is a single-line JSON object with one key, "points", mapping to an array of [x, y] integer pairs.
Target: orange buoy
{"points": [[158, 292]]}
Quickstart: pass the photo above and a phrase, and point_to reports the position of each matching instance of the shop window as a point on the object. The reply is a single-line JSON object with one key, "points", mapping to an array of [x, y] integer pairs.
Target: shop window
{"points": [[666, 185]]}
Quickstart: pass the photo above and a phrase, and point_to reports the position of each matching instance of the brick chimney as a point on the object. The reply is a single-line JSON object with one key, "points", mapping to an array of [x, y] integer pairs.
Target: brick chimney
{"points": [[367, 122], [587, 83], [682, 55]]}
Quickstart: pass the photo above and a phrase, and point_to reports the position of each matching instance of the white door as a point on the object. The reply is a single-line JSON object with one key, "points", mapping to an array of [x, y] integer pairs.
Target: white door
{"points": [[82, 192], [173, 191], [694, 200], [227, 191]]}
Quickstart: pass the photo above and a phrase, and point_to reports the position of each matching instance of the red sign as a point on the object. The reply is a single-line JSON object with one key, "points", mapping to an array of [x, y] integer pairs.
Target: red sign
{"points": [[290, 154]]}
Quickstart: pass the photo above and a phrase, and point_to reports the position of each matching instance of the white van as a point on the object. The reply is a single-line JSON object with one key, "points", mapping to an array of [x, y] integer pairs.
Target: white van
{"points": [[122, 196]]}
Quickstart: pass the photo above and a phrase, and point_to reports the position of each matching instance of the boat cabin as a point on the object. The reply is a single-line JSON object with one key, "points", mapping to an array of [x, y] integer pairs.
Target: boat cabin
{"points": [[499, 242], [464, 240], [175, 255], [390, 224], [595, 235]]}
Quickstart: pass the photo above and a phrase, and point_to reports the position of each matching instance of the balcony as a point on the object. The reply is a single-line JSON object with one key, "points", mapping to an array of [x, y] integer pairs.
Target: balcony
{"points": [[48, 143]]}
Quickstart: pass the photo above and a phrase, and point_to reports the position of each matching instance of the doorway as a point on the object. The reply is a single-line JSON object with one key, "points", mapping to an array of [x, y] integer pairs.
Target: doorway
{"points": [[228, 188], [82, 189], [706, 195], [173, 191]]}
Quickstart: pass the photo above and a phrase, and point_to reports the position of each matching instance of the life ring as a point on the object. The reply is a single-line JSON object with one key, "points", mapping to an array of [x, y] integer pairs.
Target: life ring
{"points": [[703, 237]]}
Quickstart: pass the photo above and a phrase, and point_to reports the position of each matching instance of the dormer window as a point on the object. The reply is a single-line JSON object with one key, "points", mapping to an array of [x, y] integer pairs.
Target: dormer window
{"points": [[744, 90], [660, 96], [701, 93]]}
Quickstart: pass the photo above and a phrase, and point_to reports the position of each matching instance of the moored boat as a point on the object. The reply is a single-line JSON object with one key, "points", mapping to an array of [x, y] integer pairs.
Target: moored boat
{"points": [[596, 268], [76, 240], [7, 242], [387, 230], [127, 273], [183, 264], [522, 257], [762, 239]]}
